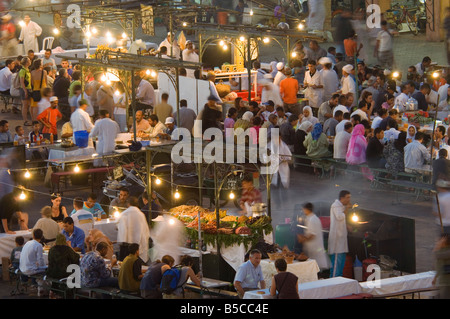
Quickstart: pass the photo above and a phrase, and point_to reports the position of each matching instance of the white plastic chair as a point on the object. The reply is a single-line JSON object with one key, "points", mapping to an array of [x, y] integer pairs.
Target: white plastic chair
{"points": [[47, 43]]}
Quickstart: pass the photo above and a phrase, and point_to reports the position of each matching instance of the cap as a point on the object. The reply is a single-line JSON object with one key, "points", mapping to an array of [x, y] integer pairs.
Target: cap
{"points": [[169, 120], [53, 98], [280, 66], [325, 60], [348, 68]]}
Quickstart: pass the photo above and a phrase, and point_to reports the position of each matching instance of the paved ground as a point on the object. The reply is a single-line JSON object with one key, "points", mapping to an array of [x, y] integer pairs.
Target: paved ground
{"points": [[409, 49]]}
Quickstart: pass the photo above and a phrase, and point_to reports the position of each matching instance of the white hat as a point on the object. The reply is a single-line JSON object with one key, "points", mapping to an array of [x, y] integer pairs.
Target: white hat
{"points": [[325, 60], [53, 98], [348, 68], [247, 116], [387, 72], [280, 66], [169, 120]]}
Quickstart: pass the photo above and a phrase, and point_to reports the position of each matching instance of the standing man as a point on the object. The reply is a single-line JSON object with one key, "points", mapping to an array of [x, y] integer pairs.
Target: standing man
{"points": [[329, 77], [337, 239], [187, 116], [163, 110], [314, 86], [190, 54], [8, 38], [5, 77], [173, 49], [107, 131], [47, 60], [384, 48], [288, 91], [133, 229], [30, 31], [105, 99], [50, 117], [80, 119], [316, 16], [250, 274], [145, 94], [312, 239]]}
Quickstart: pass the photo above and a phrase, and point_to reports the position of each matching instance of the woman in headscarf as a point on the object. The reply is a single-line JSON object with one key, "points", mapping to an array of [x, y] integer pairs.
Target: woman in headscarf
{"points": [[394, 154], [356, 153], [96, 236], [410, 136], [317, 147], [60, 256], [307, 116], [302, 164]]}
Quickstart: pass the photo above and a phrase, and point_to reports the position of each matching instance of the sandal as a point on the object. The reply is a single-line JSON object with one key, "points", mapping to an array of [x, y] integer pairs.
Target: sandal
{"points": [[26, 123]]}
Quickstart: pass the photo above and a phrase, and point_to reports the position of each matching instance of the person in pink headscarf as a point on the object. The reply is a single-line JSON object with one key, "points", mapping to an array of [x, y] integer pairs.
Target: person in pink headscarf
{"points": [[356, 153]]}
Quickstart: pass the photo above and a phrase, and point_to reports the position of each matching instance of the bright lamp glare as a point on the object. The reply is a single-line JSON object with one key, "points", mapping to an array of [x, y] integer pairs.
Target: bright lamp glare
{"points": [[27, 174], [232, 196], [22, 23], [355, 218], [76, 169], [177, 195], [94, 30], [22, 196], [266, 40], [157, 181], [116, 214], [55, 31]]}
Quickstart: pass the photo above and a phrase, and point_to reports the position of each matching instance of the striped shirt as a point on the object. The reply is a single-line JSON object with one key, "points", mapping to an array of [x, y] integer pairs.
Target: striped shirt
{"points": [[84, 220]]}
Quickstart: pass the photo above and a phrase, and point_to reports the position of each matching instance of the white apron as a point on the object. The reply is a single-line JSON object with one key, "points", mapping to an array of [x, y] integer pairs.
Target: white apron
{"points": [[314, 248], [314, 96], [337, 238], [106, 130]]}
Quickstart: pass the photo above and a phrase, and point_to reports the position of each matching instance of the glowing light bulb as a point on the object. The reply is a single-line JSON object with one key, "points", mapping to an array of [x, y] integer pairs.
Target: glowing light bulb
{"points": [[242, 38], [76, 169], [355, 218], [301, 26], [27, 174], [88, 34], [232, 196], [108, 82], [221, 42], [94, 30], [103, 78], [147, 72], [153, 74], [171, 221], [108, 34], [22, 23], [176, 195], [157, 181], [395, 74], [294, 54], [184, 24], [225, 47], [124, 35], [435, 75], [55, 31], [116, 214], [117, 93], [251, 12], [266, 40], [22, 196]]}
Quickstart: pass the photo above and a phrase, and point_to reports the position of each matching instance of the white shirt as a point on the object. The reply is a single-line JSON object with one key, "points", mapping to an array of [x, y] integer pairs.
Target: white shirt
{"points": [[81, 121], [348, 85], [280, 76], [28, 35], [84, 220], [330, 83], [106, 130], [337, 238], [314, 247], [190, 56], [444, 204], [145, 92], [90, 108], [376, 122], [32, 258], [385, 41], [121, 99], [415, 155], [153, 131], [341, 144], [271, 92], [5, 79]]}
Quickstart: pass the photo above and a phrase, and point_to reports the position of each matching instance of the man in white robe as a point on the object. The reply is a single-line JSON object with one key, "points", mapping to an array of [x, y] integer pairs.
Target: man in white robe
{"points": [[133, 228], [173, 49], [106, 130], [190, 55], [270, 92], [312, 239], [280, 76], [30, 31], [316, 16], [314, 86], [80, 119], [329, 77]]}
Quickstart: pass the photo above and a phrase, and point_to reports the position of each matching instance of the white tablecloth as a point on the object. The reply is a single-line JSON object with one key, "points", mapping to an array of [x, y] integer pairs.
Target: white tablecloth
{"points": [[319, 289], [233, 255], [399, 284], [60, 154], [306, 271], [7, 242]]}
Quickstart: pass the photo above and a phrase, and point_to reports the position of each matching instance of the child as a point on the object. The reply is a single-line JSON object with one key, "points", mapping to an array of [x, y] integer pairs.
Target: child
{"points": [[20, 138], [36, 134], [15, 253], [389, 104]]}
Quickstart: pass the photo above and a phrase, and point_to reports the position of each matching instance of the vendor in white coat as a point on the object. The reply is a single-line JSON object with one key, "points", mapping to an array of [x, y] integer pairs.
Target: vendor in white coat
{"points": [[190, 55], [270, 92], [280, 76], [314, 85], [106, 130], [30, 31], [312, 239], [171, 44], [337, 238], [80, 119], [329, 77], [133, 228]]}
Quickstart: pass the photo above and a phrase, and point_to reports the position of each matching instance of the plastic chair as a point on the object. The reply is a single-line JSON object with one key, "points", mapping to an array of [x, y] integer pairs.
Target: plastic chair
{"points": [[47, 43]]}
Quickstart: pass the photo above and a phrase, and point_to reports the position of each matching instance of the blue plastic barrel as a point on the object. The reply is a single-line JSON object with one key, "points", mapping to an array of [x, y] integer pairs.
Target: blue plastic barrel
{"points": [[81, 138], [284, 236]]}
